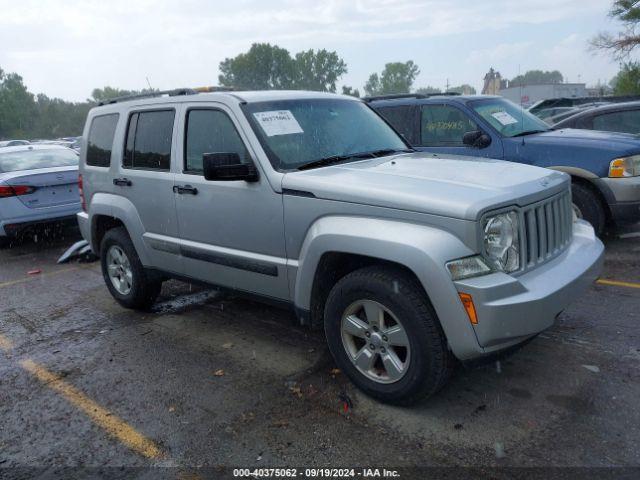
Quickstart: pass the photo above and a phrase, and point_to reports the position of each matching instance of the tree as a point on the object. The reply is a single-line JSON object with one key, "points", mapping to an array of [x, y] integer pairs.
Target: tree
{"points": [[17, 107], [627, 81], [533, 77], [346, 90], [620, 45], [107, 93], [318, 70], [263, 67], [397, 77], [269, 67], [428, 90], [464, 89]]}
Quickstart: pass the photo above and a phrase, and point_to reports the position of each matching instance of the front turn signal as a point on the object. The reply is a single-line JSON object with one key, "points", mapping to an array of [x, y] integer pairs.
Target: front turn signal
{"points": [[467, 303]]}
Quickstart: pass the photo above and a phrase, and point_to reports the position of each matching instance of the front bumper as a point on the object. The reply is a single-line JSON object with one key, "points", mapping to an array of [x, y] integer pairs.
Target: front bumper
{"points": [[623, 196], [85, 227], [511, 309]]}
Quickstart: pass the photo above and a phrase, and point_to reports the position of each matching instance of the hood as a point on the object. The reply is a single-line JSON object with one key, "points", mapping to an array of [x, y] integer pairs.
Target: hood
{"points": [[590, 138], [450, 186]]}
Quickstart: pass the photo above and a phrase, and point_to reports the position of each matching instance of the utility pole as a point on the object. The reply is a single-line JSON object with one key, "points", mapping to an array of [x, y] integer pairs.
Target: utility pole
{"points": [[447, 89]]}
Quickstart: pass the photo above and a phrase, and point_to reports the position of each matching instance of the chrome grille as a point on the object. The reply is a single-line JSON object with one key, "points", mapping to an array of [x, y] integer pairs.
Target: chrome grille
{"points": [[547, 229]]}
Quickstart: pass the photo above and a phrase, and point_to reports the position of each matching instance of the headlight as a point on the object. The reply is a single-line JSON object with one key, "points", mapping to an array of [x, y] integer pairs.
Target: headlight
{"points": [[625, 167], [468, 267], [501, 242]]}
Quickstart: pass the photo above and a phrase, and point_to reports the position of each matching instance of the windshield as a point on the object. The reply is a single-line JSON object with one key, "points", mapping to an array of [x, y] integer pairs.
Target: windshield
{"points": [[509, 119], [297, 132], [34, 159]]}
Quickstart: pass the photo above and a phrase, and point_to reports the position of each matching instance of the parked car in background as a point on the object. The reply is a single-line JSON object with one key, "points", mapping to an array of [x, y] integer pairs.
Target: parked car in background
{"points": [[312, 201], [13, 143], [38, 186], [617, 117], [604, 167]]}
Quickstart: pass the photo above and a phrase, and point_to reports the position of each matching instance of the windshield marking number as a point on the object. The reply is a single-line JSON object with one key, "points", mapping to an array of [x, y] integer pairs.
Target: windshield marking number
{"points": [[278, 122]]}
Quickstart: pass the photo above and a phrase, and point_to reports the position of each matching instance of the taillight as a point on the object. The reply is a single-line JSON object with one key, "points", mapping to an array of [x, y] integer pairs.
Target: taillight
{"points": [[15, 190], [81, 191]]}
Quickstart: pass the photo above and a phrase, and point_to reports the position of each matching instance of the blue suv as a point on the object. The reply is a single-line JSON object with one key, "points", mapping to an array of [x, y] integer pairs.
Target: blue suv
{"points": [[604, 166]]}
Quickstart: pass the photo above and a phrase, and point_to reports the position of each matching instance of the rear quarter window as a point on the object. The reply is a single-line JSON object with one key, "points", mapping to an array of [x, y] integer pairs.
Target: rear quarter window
{"points": [[100, 140], [401, 118]]}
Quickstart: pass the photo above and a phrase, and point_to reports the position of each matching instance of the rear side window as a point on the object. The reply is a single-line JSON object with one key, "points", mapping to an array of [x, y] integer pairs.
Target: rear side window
{"points": [[210, 131], [100, 141], [444, 126], [148, 144], [401, 118]]}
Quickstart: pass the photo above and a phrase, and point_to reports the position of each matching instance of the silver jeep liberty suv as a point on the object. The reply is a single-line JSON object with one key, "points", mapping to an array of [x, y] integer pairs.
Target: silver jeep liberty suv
{"points": [[409, 261]]}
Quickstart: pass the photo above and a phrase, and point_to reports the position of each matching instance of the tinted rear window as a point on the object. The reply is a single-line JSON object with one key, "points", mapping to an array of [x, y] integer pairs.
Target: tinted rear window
{"points": [[400, 118], [34, 159], [100, 141], [149, 140]]}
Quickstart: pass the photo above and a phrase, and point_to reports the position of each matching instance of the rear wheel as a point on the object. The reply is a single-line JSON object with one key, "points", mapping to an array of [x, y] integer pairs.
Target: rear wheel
{"points": [[127, 280], [384, 334], [587, 206]]}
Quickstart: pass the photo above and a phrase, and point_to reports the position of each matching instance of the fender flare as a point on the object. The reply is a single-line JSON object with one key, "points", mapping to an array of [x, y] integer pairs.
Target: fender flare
{"points": [[422, 249], [575, 171], [123, 209]]}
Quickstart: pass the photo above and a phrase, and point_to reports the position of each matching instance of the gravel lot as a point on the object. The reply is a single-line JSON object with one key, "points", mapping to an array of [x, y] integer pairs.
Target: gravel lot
{"points": [[210, 380]]}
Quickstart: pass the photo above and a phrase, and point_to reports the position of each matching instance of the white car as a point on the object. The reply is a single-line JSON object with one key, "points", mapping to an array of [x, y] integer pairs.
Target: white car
{"points": [[38, 185], [13, 143]]}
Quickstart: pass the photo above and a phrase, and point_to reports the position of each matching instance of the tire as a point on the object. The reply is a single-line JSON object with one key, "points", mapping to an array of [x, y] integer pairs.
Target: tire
{"points": [[428, 363], [589, 207], [144, 286], [5, 242]]}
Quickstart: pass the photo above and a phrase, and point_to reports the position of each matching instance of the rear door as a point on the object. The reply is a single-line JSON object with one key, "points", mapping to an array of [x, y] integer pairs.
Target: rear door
{"points": [[442, 127], [145, 178]]}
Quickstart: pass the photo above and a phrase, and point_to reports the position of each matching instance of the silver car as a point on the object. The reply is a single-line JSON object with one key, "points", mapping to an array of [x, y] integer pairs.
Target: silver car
{"points": [[409, 261], [38, 185]]}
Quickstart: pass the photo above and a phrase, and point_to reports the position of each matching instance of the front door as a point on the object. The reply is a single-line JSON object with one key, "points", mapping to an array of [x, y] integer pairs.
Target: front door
{"points": [[442, 127], [231, 232]]}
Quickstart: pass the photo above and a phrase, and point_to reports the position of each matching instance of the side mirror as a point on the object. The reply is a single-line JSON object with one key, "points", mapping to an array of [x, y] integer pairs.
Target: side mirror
{"points": [[476, 139], [226, 166]]}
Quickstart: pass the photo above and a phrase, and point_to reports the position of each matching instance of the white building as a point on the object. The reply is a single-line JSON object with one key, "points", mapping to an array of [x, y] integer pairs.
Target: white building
{"points": [[529, 94]]}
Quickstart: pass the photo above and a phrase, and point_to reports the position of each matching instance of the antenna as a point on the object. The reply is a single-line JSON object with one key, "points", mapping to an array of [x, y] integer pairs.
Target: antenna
{"points": [[521, 108]]}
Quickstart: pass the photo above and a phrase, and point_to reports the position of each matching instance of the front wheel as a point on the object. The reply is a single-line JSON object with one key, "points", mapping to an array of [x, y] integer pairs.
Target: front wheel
{"points": [[587, 206], [384, 334], [126, 278]]}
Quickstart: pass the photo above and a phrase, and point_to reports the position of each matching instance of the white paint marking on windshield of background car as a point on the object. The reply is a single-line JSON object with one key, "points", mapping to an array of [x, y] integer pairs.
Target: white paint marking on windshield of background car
{"points": [[504, 118], [278, 122]]}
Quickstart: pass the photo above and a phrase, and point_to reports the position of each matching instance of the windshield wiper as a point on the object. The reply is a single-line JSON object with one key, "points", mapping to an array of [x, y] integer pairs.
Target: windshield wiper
{"points": [[333, 159], [527, 132]]}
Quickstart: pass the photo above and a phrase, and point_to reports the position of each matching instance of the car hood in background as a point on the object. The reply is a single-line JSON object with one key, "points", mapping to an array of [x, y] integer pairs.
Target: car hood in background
{"points": [[451, 186], [592, 138]]}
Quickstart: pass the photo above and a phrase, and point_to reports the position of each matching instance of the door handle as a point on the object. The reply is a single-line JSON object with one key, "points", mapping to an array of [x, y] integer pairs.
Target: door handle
{"points": [[185, 190], [122, 182]]}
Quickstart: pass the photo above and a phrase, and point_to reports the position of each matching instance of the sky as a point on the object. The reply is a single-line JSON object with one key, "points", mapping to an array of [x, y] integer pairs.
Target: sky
{"points": [[66, 48]]}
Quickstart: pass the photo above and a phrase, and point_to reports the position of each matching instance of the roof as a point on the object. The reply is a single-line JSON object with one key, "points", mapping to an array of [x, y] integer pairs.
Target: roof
{"points": [[418, 100], [26, 148], [186, 95]]}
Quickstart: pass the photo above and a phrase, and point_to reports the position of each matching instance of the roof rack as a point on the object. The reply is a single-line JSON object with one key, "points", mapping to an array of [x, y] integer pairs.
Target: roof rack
{"points": [[171, 93], [407, 95], [394, 96]]}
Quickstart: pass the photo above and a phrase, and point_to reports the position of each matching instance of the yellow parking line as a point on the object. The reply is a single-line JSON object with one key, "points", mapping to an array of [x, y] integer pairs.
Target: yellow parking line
{"points": [[113, 425], [40, 275], [5, 343], [617, 283]]}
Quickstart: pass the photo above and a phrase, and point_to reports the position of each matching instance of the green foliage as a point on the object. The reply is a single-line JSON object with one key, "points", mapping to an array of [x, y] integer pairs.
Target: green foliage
{"points": [[428, 90], [621, 44], [107, 93], [464, 89], [346, 90], [533, 77], [397, 77], [627, 81], [269, 67], [17, 107]]}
